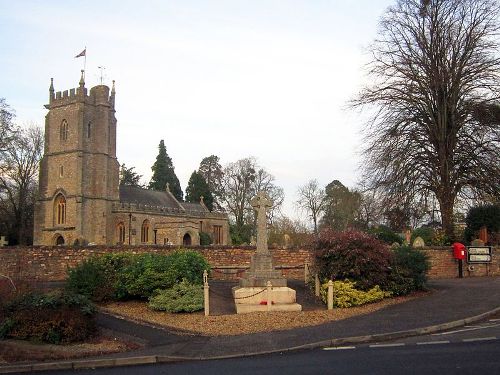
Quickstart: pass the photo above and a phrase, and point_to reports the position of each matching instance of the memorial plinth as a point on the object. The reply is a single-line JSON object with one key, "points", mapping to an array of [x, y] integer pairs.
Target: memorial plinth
{"points": [[263, 288]]}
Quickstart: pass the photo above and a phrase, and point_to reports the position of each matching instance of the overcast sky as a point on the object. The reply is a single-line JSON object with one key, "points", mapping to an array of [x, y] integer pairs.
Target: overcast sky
{"points": [[268, 79]]}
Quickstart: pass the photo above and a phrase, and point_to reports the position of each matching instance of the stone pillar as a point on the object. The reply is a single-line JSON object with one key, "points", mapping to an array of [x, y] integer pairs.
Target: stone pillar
{"points": [[206, 296], [268, 293], [330, 295]]}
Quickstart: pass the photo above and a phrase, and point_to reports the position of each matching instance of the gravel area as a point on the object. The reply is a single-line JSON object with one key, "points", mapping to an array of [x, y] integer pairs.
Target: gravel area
{"points": [[226, 322]]}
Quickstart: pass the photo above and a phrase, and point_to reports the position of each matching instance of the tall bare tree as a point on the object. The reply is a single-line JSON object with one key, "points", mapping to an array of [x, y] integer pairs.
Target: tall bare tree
{"points": [[18, 184], [240, 183], [434, 90], [311, 200]]}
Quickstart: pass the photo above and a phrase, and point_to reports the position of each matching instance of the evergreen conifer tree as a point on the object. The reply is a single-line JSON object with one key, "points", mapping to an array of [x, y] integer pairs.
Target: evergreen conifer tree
{"points": [[197, 188], [163, 173]]}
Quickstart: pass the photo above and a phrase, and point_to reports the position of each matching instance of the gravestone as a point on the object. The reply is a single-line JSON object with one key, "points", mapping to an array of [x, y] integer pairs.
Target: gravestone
{"points": [[418, 242], [3, 241], [263, 288]]}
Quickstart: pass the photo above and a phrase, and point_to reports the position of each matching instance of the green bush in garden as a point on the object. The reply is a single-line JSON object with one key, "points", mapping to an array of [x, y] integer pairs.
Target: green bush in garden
{"points": [[126, 275], [57, 317], [345, 294], [182, 297], [409, 270]]}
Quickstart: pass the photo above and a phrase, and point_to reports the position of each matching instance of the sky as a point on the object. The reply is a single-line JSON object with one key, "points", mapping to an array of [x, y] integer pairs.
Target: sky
{"points": [[269, 79]]}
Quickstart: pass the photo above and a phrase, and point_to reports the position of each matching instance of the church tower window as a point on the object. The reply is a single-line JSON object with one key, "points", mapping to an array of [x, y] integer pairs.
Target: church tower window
{"points": [[89, 127], [145, 231], [63, 131], [60, 209]]}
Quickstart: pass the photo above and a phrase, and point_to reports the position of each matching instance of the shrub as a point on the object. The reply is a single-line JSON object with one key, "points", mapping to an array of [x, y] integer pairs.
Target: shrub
{"points": [[479, 216], [98, 277], [53, 318], [385, 234], [409, 271], [126, 275], [345, 294], [182, 297], [352, 255], [205, 239]]}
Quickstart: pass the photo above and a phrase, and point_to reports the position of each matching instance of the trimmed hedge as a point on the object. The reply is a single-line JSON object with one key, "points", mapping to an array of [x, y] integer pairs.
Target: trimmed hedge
{"points": [[54, 318]]}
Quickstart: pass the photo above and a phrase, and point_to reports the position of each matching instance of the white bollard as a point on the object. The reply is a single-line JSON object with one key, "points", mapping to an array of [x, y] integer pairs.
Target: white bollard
{"points": [[316, 285], [330, 295], [205, 293], [269, 301]]}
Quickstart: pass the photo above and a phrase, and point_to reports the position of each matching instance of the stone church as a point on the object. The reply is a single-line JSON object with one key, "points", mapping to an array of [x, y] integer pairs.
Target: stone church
{"points": [[80, 199]]}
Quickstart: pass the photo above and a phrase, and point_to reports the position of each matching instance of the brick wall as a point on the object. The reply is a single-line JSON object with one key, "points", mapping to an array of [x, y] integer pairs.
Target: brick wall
{"points": [[228, 263]]}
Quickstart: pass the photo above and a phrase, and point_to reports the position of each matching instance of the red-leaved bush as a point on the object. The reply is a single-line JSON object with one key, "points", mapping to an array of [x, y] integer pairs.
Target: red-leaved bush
{"points": [[353, 255]]}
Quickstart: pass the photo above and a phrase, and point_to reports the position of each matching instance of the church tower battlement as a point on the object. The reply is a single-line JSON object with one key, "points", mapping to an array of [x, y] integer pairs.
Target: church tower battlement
{"points": [[79, 169]]}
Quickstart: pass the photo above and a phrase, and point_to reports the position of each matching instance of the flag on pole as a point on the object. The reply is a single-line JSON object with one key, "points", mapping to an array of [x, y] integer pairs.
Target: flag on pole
{"points": [[83, 53]]}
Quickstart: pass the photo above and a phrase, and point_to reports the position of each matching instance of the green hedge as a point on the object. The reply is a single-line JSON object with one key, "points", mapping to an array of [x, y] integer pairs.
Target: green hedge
{"points": [[54, 318], [127, 276]]}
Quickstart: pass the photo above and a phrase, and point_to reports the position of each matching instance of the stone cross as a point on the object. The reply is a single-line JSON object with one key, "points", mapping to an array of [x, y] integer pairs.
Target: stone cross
{"points": [[3, 241], [261, 203]]}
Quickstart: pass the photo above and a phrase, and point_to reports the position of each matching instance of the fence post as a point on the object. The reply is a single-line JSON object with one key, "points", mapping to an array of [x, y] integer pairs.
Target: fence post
{"points": [[269, 301], [330, 295], [205, 293], [307, 273], [316, 285]]}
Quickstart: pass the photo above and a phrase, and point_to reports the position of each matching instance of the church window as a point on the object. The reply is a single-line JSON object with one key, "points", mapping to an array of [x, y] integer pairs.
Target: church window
{"points": [[63, 131], [89, 126], [217, 237], [121, 232], [60, 209], [61, 171], [145, 231]]}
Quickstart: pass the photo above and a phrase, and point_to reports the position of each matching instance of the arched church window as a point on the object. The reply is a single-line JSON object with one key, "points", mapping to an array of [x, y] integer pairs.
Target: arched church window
{"points": [[145, 231], [63, 131], [60, 209], [120, 231], [89, 127]]}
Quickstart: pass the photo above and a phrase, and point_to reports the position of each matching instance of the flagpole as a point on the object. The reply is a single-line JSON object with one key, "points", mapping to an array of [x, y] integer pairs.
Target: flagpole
{"points": [[85, 64]]}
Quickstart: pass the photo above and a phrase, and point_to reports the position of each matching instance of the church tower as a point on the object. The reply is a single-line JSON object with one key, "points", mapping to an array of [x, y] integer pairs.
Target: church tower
{"points": [[79, 170]]}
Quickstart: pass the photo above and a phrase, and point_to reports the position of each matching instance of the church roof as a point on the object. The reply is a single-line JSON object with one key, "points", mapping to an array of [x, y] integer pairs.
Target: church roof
{"points": [[134, 194], [193, 207]]}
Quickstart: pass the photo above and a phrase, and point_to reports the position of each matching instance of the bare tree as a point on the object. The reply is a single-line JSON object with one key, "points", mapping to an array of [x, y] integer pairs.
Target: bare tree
{"points": [[240, 183], [434, 69], [18, 182], [312, 201], [7, 128]]}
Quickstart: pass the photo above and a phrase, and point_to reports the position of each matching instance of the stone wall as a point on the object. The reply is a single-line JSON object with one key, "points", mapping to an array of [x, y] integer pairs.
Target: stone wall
{"points": [[228, 263]]}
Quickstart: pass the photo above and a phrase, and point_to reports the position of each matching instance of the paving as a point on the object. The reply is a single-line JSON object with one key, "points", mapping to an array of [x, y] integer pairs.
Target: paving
{"points": [[452, 303]]}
